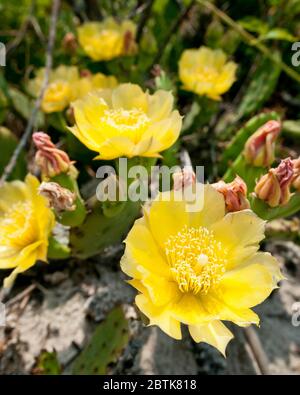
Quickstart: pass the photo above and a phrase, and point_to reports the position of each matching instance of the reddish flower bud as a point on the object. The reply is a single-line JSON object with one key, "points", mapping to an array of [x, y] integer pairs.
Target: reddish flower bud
{"points": [[296, 178], [130, 46], [274, 187], [51, 160], [70, 43], [235, 194], [85, 73], [259, 149]]}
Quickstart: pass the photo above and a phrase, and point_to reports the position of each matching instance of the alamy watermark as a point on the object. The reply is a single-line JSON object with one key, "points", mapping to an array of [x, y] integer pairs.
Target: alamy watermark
{"points": [[296, 56], [296, 314], [2, 54], [137, 183]]}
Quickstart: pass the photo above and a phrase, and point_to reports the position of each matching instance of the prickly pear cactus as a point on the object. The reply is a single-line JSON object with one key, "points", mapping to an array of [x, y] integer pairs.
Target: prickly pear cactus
{"points": [[107, 343], [291, 129], [268, 213], [99, 230], [76, 217], [262, 85]]}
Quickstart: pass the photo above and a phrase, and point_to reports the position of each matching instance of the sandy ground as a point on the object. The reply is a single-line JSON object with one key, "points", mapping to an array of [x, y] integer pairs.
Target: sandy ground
{"points": [[68, 302]]}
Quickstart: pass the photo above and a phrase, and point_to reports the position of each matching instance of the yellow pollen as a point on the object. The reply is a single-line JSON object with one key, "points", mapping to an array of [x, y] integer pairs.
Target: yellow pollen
{"points": [[197, 260]]}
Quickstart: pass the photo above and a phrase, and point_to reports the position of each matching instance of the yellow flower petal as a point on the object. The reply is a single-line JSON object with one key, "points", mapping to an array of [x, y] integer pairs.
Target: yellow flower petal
{"points": [[164, 133], [220, 310], [213, 208], [190, 310], [26, 259], [11, 193], [129, 96], [158, 316], [160, 105], [166, 217], [269, 262], [142, 250], [246, 287], [240, 232], [214, 333], [116, 147], [160, 289]]}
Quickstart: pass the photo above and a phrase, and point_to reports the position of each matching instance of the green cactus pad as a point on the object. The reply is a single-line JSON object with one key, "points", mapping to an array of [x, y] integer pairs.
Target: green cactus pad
{"points": [[105, 346]]}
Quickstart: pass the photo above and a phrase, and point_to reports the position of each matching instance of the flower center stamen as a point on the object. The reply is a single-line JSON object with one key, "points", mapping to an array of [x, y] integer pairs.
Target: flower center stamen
{"points": [[197, 260], [16, 225], [133, 121]]}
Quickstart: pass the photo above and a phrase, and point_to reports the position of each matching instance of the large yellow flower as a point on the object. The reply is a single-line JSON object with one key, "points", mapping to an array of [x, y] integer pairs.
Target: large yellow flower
{"points": [[108, 39], [126, 121], [25, 223], [199, 268], [204, 71], [66, 85]]}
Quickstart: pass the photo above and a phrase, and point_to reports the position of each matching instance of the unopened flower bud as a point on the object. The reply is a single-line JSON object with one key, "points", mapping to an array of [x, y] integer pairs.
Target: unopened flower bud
{"points": [[69, 43], [259, 149], [296, 178], [235, 194], [156, 70], [183, 178], [51, 160], [129, 44], [59, 198], [274, 187], [85, 73]]}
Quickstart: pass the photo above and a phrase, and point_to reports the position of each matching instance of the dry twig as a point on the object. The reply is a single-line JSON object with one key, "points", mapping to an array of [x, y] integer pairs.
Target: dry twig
{"points": [[31, 122], [257, 350]]}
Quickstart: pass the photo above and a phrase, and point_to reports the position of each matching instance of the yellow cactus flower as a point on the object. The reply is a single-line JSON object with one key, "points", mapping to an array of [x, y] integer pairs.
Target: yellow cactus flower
{"points": [[25, 223], [108, 39], [206, 72], [59, 92], [66, 85], [199, 268], [125, 121]]}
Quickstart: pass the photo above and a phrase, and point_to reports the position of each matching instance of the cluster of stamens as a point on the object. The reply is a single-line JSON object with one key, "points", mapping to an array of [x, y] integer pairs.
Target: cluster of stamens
{"points": [[16, 225], [197, 260], [126, 121]]}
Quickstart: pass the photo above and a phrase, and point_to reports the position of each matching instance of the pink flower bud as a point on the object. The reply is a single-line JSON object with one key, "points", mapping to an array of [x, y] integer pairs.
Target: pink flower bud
{"points": [[51, 160], [259, 149], [235, 194], [296, 178], [69, 43], [274, 187]]}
